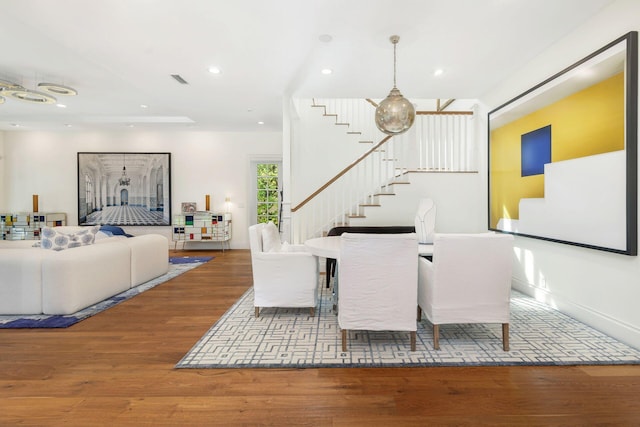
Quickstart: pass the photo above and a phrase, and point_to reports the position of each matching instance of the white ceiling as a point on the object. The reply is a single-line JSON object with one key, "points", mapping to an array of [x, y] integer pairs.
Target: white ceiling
{"points": [[120, 54]]}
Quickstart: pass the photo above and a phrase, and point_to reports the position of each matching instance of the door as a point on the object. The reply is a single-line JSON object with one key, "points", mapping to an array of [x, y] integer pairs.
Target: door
{"points": [[267, 191]]}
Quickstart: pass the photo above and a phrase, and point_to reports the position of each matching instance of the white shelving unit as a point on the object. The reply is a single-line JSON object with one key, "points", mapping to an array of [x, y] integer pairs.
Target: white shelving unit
{"points": [[28, 225], [202, 227]]}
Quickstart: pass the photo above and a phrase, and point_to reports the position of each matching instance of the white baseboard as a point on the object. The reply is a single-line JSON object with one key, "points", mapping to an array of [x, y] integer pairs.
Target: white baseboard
{"points": [[621, 331]]}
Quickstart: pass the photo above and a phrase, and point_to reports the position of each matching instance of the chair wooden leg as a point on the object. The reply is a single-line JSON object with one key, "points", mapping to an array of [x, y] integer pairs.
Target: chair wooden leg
{"points": [[344, 340], [505, 336], [312, 311], [257, 311], [436, 337], [413, 340], [419, 317]]}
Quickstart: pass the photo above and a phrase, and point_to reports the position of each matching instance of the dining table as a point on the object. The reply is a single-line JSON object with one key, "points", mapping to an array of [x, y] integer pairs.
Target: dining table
{"points": [[329, 247]]}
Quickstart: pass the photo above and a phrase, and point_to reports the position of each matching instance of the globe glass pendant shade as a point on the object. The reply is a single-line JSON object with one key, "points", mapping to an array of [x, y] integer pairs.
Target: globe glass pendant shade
{"points": [[395, 114]]}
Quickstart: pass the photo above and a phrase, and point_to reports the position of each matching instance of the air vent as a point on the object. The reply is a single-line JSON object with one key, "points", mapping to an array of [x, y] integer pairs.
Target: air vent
{"points": [[179, 79]]}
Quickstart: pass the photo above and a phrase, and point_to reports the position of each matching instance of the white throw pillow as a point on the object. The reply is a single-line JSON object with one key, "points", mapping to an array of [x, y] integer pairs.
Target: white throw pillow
{"points": [[56, 240], [100, 235], [271, 238]]}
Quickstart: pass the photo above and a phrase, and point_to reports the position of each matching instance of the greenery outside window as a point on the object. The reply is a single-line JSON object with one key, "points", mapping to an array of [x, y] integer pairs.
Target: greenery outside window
{"points": [[268, 193]]}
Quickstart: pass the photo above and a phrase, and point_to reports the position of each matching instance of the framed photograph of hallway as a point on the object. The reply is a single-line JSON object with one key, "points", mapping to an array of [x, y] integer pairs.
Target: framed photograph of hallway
{"points": [[563, 155], [124, 189]]}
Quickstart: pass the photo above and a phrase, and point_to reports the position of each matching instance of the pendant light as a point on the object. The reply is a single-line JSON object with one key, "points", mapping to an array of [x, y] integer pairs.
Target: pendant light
{"points": [[124, 179], [395, 114], [41, 96]]}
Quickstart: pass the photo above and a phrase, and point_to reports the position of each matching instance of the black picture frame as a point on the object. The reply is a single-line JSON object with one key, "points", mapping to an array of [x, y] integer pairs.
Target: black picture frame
{"points": [[587, 194], [124, 188]]}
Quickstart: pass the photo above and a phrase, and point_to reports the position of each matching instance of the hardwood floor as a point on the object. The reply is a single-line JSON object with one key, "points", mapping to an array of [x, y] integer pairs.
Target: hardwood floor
{"points": [[116, 369]]}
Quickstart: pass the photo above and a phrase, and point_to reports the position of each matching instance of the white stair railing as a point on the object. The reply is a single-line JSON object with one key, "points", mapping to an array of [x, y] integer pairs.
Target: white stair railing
{"points": [[438, 142], [446, 143], [344, 196]]}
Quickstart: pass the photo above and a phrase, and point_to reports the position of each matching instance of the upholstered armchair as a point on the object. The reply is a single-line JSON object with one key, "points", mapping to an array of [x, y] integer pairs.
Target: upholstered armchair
{"points": [[469, 281], [378, 283], [283, 275]]}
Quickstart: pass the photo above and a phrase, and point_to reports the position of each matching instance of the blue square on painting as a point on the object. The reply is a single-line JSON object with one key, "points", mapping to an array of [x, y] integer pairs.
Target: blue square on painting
{"points": [[535, 151]]}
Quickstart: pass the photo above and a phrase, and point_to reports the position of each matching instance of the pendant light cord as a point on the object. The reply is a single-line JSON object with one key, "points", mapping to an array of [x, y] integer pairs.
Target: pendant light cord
{"points": [[394, 63], [394, 40]]}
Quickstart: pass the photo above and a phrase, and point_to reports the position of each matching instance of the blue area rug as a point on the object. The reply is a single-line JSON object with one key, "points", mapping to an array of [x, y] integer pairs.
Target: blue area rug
{"points": [[291, 338], [177, 266], [190, 259]]}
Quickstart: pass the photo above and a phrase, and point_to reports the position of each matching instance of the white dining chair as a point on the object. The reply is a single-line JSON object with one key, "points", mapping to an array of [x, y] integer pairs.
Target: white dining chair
{"points": [[468, 281], [378, 283]]}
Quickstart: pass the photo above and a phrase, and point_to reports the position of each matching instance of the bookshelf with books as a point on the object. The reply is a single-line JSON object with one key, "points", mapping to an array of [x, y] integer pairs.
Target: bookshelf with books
{"points": [[202, 226], [28, 225]]}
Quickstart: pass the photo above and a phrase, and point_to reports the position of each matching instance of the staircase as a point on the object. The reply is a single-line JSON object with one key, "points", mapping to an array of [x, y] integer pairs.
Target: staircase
{"points": [[372, 182]]}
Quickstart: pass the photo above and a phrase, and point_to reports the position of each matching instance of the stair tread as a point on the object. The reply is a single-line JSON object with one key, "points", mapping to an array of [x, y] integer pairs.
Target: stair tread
{"points": [[370, 204]]}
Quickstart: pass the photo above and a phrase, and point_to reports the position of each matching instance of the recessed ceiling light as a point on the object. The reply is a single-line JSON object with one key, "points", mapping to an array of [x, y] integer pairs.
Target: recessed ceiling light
{"points": [[325, 38], [61, 106], [144, 106], [215, 70], [15, 125], [438, 72], [260, 122], [68, 125], [326, 71]]}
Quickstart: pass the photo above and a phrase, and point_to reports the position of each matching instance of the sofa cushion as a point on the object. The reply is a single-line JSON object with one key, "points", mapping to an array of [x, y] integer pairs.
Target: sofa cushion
{"points": [[149, 256], [75, 279], [105, 238], [271, 238], [58, 240], [21, 280]]}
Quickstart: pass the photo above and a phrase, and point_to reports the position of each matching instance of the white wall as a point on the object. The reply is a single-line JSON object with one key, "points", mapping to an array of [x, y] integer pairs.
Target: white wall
{"points": [[458, 197], [599, 288], [45, 163], [319, 151]]}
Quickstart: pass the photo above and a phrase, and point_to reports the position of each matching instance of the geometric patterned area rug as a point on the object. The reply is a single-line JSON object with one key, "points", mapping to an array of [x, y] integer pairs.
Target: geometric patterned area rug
{"points": [[177, 266], [291, 338]]}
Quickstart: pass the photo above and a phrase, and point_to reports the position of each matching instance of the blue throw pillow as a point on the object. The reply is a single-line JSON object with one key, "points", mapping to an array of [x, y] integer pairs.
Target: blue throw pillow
{"points": [[114, 230]]}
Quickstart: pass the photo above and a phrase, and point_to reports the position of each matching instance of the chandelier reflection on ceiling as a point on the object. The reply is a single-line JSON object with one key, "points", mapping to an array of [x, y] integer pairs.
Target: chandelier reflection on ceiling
{"points": [[124, 179]]}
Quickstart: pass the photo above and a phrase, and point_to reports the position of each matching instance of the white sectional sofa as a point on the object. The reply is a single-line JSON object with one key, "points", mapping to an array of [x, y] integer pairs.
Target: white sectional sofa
{"points": [[34, 280]]}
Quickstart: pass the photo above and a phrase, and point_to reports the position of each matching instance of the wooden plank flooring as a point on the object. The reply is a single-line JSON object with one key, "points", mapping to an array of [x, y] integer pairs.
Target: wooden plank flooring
{"points": [[117, 369]]}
